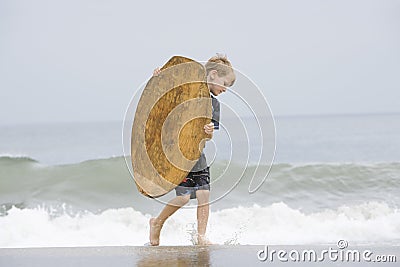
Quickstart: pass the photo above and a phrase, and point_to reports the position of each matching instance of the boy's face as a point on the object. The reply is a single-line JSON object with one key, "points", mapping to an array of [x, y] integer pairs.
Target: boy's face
{"points": [[218, 84]]}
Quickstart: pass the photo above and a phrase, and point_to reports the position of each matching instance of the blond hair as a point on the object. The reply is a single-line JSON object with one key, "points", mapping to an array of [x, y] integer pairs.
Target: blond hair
{"points": [[221, 64]]}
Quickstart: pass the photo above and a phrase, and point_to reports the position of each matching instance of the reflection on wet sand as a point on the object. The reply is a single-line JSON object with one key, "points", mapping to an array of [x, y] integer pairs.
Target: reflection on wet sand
{"points": [[175, 256]]}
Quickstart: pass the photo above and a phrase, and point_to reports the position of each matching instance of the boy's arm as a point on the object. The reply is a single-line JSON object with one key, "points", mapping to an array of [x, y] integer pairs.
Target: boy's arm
{"points": [[209, 128], [156, 71]]}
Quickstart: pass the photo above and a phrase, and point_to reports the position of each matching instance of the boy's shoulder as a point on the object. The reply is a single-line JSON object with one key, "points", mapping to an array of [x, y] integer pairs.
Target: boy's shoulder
{"points": [[215, 101], [214, 98]]}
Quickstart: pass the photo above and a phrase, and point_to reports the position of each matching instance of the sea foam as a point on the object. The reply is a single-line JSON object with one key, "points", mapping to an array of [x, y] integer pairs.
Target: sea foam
{"points": [[367, 223]]}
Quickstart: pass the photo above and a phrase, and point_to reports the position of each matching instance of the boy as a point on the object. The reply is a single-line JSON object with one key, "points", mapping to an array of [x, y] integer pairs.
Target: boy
{"points": [[220, 75]]}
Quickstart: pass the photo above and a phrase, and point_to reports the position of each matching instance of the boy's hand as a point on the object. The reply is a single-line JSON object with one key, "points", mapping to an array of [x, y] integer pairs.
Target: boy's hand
{"points": [[209, 128], [156, 72]]}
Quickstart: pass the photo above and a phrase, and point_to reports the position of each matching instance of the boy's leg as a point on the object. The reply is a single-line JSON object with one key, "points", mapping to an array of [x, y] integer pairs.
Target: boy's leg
{"points": [[157, 223], [203, 210]]}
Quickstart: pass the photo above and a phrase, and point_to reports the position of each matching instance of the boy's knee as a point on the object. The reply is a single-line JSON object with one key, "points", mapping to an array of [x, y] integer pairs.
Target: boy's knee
{"points": [[183, 200], [203, 196]]}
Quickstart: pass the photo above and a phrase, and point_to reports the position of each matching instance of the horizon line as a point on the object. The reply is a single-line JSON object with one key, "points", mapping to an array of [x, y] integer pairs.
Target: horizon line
{"points": [[245, 116]]}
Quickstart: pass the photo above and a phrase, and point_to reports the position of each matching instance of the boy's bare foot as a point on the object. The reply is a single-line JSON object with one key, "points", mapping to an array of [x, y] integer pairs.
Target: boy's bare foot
{"points": [[155, 229], [203, 241]]}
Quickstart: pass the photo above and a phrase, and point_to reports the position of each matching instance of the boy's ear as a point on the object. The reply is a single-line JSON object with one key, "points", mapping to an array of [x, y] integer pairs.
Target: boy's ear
{"points": [[213, 73]]}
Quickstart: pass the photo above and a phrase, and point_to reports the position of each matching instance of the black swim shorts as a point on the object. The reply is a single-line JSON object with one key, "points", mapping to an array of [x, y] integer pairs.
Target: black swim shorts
{"points": [[194, 181]]}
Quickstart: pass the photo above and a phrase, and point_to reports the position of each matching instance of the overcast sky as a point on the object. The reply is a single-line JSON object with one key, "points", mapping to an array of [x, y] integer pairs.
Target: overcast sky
{"points": [[82, 60]]}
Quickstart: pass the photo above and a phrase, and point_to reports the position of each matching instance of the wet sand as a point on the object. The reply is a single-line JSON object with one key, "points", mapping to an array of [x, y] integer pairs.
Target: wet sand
{"points": [[175, 256]]}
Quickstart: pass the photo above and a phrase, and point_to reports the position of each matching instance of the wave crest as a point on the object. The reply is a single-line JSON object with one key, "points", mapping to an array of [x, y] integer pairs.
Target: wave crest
{"points": [[370, 222]]}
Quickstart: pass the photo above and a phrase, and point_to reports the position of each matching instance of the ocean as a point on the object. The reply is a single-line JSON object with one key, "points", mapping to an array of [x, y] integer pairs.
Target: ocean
{"points": [[332, 178]]}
